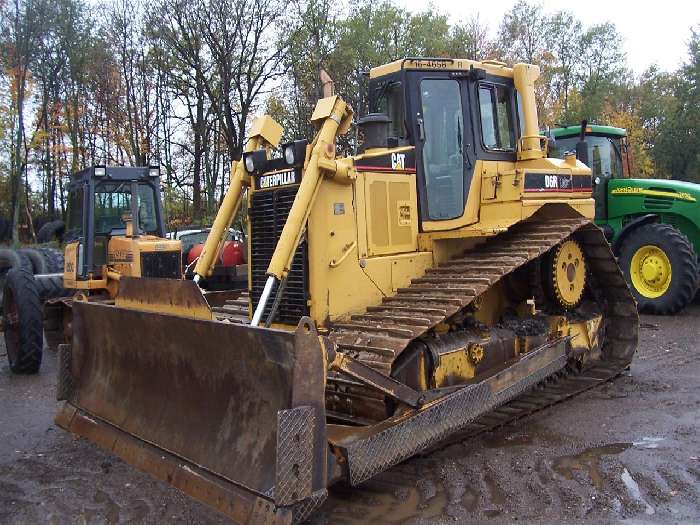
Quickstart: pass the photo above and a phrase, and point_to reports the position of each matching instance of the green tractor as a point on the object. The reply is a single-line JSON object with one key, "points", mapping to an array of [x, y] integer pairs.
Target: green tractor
{"points": [[652, 224]]}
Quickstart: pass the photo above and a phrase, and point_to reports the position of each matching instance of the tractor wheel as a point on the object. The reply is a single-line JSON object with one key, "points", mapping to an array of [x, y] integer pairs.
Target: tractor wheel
{"points": [[50, 286], [36, 258], [54, 258], [23, 320], [51, 231], [661, 267]]}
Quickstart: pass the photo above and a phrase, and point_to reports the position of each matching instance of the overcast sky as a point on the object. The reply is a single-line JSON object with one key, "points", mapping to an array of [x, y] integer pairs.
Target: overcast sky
{"points": [[653, 32]]}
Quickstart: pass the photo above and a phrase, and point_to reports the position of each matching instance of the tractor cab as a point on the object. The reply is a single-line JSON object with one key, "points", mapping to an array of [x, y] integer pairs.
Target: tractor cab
{"points": [[116, 227], [607, 156]]}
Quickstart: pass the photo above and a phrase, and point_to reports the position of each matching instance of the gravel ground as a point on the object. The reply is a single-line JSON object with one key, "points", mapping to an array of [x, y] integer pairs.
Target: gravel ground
{"points": [[626, 452]]}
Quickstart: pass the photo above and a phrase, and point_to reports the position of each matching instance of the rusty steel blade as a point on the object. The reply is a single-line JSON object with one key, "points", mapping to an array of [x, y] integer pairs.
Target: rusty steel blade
{"points": [[171, 296], [234, 401]]}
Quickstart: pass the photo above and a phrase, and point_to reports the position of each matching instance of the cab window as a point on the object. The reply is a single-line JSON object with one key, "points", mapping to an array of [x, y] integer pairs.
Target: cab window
{"points": [[604, 154], [443, 158], [74, 223], [113, 202], [497, 130], [390, 102]]}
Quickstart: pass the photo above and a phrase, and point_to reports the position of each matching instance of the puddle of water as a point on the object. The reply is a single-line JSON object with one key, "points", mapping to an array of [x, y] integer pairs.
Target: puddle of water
{"points": [[649, 442], [379, 505], [470, 500], [588, 461], [496, 494], [635, 492]]}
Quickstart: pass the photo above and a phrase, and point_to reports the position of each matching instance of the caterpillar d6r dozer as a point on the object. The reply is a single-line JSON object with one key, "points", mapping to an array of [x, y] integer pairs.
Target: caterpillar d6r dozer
{"points": [[445, 279]]}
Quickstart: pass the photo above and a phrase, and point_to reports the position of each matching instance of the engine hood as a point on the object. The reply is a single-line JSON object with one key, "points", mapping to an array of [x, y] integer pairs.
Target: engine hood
{"points": [[674, 189]]}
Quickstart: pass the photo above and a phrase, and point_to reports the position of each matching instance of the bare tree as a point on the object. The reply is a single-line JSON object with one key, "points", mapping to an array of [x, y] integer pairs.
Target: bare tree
{"points": [[248, 56], [21, 26]]}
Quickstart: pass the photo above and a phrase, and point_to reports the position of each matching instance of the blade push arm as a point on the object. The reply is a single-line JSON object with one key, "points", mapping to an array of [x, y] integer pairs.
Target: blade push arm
{"points": [[264, 133]]}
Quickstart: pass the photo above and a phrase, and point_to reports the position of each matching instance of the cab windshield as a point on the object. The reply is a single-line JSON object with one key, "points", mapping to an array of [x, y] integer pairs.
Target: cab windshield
{"points": [[113, 204], [603, 154]]}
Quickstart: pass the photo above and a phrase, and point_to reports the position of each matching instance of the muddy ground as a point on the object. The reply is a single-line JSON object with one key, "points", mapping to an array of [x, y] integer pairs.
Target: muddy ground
{"points": [[625, 452]]}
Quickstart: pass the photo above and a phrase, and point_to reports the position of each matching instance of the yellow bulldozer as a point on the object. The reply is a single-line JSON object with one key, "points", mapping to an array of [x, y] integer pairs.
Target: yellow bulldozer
{"points": [[443, 280], [115, 228]]}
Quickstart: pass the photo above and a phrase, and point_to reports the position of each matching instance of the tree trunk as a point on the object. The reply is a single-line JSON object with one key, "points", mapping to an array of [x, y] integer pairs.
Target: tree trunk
{"points": [[17, 161]]}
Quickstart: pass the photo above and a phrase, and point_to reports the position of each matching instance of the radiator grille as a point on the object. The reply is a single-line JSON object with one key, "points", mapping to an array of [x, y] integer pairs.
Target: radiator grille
{"points": [[161, 264], [657, 203], [267, 214]]}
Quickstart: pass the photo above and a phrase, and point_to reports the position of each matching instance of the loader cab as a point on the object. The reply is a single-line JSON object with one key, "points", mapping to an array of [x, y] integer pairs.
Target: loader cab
{"points": [[108, 202], [607, 155], [453, 118]]}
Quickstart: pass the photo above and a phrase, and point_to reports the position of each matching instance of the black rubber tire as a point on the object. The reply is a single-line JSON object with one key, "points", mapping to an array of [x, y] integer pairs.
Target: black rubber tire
{"points": [[37, 259], [23, 319], [9, 259], [51, 231], [54, 259], [50, 286], [684, 267]]}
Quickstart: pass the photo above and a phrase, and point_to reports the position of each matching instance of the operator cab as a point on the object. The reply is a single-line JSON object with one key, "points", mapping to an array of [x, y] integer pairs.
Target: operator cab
{"points": [[106, 203], [607, 147], [453, 117]]}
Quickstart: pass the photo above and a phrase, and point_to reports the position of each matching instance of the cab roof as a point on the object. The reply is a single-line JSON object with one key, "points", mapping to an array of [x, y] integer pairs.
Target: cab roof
{"points": [[492, 67], [114, 173], [591, 129]]}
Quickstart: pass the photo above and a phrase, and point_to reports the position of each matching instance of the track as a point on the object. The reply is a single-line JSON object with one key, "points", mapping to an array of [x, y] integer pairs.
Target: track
{"points": [[384, 331], [378, 336]]}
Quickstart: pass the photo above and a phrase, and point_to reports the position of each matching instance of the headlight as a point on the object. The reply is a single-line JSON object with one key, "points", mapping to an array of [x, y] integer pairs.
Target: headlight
{"points": [[295, 152], [100, 171], [154, 171], [255, 161], [249, 165], [289, 154]]}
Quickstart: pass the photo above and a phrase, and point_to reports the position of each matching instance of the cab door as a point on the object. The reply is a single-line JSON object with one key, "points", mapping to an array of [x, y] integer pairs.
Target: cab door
{"points": [[444, 144]]}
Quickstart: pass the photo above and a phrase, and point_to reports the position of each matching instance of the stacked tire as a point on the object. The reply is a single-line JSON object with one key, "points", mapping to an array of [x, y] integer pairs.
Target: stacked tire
{"points": [[28, 278], [23, 321], [38, 261]]}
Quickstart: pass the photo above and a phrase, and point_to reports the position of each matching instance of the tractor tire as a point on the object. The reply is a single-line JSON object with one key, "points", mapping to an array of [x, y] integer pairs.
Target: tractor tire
{"points": [[54, 259], [51, 231], [23, 320], [37, 260], [9, 259], [50, 286], [661, 268]]}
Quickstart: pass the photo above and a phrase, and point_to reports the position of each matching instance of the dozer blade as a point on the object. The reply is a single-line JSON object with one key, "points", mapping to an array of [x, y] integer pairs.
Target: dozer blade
{"points": [[232, 415]]}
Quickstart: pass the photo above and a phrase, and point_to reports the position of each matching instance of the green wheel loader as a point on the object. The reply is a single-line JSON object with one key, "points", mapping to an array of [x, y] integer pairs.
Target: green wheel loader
{"points": [[653, 225]]}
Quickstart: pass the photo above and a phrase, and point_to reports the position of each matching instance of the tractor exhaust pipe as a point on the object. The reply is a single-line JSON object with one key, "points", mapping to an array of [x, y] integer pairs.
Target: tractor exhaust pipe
{"points": [[582, 145]]}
